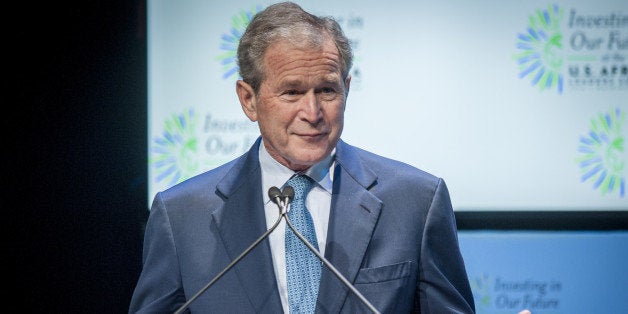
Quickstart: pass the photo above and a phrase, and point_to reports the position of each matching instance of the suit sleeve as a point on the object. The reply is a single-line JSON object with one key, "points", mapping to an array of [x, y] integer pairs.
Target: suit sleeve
{"points": [[159, 288], [443, 283]]}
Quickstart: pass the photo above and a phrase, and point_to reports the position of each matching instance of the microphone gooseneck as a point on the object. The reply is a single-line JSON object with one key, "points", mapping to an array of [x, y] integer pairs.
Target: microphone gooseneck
{"points": [[289, 191], [274, 195], [282, 199]]}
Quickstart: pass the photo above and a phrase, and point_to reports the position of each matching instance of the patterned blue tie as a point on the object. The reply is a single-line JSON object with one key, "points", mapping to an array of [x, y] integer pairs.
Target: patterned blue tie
{"points": [[302, 266]]}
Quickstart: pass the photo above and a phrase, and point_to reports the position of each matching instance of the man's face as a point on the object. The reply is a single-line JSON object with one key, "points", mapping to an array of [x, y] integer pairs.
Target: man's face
{"points": [[300, 105]]}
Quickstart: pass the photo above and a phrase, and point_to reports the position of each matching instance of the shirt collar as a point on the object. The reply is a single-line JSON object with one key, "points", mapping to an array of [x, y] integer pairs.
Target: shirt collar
{"points": [[276, 174]]}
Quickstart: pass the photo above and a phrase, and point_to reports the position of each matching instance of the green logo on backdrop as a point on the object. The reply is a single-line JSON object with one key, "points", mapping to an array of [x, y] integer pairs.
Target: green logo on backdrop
{"points": [[602, 157], [540, 50], [574, 50], [230, 41], [174, 154]]}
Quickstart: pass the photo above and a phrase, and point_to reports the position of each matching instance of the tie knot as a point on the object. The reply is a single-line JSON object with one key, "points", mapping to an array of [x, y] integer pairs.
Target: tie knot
{"points": [[301, 184]]}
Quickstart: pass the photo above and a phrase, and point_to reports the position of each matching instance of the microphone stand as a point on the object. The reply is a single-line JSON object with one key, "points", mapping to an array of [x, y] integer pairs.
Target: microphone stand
{"points": [[282, 199]]}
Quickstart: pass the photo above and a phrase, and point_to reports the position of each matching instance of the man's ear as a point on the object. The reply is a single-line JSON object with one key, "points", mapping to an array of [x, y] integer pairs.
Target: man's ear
{"points": [[247, 98], [347, 84]]}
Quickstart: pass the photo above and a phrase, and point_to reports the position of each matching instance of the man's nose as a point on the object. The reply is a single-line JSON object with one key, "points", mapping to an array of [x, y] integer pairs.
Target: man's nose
{"points": [[311, 107]]}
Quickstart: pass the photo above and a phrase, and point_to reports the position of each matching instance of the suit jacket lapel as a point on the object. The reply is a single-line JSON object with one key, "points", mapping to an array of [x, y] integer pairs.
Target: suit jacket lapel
{"points": [[240, 222], [354, 214]]}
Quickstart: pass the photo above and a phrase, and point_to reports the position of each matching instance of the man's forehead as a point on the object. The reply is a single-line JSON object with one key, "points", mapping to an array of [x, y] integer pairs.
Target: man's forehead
{"points": [[283, 49], [299, 66]]}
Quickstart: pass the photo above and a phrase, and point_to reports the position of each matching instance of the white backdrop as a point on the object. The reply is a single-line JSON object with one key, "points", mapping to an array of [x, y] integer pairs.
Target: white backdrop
{"points": [[440, 85]]}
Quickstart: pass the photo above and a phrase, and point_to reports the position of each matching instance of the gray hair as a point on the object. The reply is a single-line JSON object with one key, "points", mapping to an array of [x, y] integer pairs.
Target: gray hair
{"points": [[287, 21]]}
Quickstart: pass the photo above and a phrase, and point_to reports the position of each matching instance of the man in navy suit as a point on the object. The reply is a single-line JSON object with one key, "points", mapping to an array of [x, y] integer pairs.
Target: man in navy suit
{"points": [[387, 227]]}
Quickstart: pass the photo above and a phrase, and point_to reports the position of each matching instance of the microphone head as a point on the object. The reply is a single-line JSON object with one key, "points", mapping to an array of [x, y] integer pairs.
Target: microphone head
{"points": [[288, 192], [274, 193]]}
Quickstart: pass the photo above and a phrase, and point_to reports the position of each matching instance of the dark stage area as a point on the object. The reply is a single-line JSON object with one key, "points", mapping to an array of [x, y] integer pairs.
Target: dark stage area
{"points": [[77, 181]]}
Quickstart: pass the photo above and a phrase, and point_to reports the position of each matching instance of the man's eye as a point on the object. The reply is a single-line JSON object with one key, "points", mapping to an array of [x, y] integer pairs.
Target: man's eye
{"points": [[328, 90], [291, 92]]}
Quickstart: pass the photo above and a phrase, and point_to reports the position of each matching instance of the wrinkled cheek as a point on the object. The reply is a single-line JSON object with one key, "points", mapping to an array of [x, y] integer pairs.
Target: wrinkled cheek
{"points": [[339, 123]]}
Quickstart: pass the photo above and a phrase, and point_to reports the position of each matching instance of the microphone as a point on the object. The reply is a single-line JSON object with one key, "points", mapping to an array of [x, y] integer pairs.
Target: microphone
{"points": [[275, 195], [288, 194], [278, 198], [289, 191], [282, 199]]}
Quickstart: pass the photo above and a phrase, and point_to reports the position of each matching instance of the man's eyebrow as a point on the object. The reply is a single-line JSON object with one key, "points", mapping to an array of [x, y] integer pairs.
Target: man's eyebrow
{"points": [[291, 83], [332, 78], [298, 83]]}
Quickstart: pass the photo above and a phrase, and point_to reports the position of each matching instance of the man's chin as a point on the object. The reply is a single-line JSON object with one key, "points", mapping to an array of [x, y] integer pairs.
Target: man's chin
{"points": [[308, 158]]}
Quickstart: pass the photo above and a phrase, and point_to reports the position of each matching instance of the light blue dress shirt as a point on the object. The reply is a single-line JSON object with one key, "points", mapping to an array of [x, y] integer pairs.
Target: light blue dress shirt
{"points": [[318, 202]]}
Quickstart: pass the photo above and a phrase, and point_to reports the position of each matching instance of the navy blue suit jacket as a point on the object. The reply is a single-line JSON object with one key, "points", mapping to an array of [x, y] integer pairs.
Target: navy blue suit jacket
{"points": [[391, 233]]}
